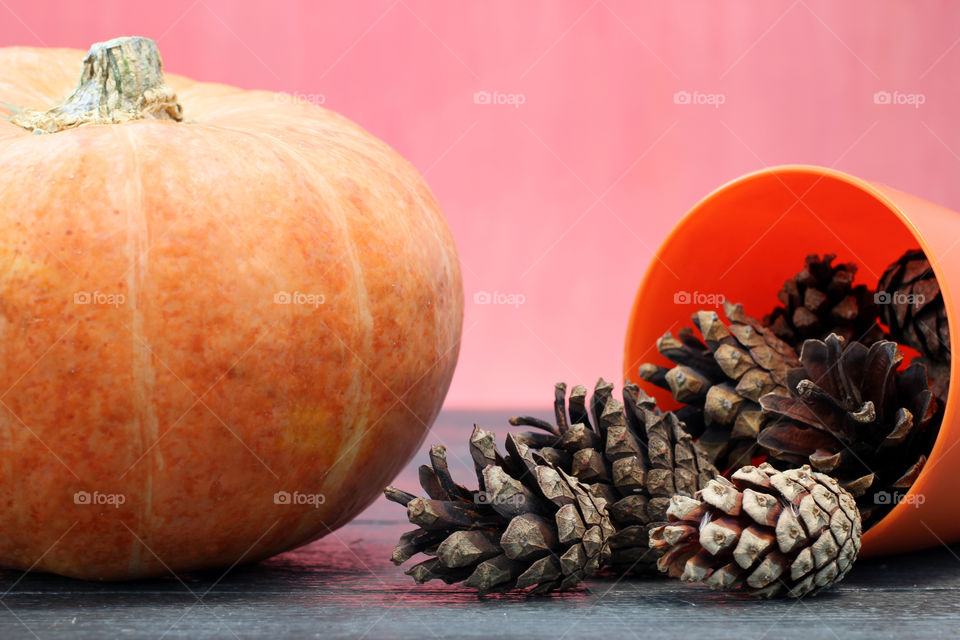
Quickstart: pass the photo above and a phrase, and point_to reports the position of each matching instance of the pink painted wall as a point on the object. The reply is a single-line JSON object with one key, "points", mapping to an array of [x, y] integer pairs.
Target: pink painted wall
{"points": [[561, 193]]}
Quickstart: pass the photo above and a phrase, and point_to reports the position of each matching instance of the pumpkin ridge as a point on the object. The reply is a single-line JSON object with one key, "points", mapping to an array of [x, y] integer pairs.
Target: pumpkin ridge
{"points": [[360, 384], [143, 374]]}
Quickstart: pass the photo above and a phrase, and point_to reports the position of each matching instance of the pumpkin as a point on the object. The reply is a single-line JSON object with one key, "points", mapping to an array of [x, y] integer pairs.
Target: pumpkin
{"points": [[227, 319]]}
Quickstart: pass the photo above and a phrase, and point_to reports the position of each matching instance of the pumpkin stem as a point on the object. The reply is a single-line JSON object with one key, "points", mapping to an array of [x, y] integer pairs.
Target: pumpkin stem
{"points": [[121, 81]]}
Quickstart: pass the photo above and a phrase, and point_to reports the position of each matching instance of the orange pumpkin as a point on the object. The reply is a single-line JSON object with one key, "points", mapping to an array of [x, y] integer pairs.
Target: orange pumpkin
{"points": [[222, 329]]}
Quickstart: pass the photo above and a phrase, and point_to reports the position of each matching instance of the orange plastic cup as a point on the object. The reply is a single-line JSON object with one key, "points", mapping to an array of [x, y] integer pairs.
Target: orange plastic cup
{"points": [[744, 239]]}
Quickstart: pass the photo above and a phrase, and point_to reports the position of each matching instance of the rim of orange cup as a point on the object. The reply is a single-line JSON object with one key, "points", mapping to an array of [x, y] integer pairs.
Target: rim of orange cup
{"points": [[909, 525]]}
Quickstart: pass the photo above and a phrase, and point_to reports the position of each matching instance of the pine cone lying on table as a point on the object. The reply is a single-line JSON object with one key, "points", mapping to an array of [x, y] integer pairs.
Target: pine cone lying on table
{"points": [[766, 533], [530, 526], [629, 454]]}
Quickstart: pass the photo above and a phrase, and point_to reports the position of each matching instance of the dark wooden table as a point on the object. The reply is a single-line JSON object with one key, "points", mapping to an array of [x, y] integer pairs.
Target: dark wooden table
{"points": [[344, 586]]}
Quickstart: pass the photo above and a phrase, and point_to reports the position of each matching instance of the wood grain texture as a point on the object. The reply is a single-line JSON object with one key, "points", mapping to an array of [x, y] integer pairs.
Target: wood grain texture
{"points": [[343, 586]]}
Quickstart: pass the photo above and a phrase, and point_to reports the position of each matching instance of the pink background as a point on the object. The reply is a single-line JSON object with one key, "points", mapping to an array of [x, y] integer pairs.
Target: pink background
{"points": [[562, 199]]}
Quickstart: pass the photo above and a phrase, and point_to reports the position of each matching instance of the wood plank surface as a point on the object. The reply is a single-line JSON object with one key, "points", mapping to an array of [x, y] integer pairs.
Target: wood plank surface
{"points": [[344, 586]]}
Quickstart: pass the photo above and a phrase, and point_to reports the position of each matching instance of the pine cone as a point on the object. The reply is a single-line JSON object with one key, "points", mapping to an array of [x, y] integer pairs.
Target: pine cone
{"points": [[629, 454], [722, 379], [852, 415], [767, 533], [912, 307], [529, 525], [821, 300]]}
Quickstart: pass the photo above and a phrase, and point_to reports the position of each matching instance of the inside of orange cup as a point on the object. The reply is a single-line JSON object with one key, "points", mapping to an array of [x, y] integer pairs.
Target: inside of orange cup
{"points": [[744, 240]]}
